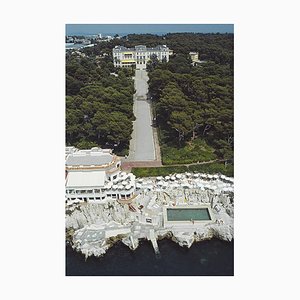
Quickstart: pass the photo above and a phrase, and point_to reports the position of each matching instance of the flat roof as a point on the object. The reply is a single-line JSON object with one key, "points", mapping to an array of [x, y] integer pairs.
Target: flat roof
{"points": [[78, 159], [141, 48], [85, 179]]}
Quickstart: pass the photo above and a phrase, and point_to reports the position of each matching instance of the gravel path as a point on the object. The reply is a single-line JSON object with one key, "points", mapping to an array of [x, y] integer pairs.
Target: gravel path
{"points": [[142, 146]]}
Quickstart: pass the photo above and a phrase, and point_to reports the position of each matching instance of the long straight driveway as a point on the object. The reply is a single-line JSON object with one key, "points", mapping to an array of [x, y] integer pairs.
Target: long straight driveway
{"points": [[142, 143]]}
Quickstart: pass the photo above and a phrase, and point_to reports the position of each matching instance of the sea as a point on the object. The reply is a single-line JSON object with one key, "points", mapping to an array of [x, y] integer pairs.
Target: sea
{"points": [[77, 46], [206, 258]]}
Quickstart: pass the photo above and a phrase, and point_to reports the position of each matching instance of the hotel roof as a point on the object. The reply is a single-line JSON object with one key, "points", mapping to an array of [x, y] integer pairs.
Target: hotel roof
{"points": [[96, 157], [140, 48], [85, 179]]}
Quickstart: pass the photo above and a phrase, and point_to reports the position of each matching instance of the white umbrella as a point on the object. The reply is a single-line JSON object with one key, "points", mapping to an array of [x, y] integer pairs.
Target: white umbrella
{"points": [[167, 177], [173, 178], [160, 183], [124, 182], [186, 185], [109, 184], [178, 176]]}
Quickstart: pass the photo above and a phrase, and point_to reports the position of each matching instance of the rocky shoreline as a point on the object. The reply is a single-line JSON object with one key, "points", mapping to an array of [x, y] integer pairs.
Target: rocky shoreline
{"points": [[92, 228]]}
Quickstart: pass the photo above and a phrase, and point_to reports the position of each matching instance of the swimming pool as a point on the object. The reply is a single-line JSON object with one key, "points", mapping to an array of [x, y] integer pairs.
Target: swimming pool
{"points": [[187, 214]]}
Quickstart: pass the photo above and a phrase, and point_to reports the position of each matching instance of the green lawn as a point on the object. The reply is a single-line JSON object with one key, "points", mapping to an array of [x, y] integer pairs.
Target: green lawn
{"points": [[193, 152], [211, 168]]}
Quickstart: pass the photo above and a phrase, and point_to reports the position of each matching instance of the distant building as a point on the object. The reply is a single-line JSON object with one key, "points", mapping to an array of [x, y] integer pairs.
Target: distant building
{"points": [[86, 42], [171, 52], [70, 39], [138, 56], [194, 56], [95, 175]]}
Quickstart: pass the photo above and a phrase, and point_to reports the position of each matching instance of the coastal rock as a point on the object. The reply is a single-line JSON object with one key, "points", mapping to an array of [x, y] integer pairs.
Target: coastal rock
{"points": [[93, 228], [184, 238], [131, 241]]}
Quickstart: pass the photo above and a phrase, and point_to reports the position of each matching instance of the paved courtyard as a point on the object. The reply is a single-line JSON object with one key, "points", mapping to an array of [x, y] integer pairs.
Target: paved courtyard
{"points": [[142, 146]]}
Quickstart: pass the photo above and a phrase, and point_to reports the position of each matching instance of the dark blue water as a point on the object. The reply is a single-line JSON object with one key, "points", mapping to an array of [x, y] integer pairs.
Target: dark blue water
{"points": [[212, 257]]}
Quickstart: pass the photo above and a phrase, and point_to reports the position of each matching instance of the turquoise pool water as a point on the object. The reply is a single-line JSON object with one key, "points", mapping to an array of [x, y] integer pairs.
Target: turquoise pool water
{"points": [[187, 214]]}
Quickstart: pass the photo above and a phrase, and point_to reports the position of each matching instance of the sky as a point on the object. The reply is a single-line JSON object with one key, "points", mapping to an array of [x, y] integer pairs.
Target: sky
{"points": [[123, 29]]}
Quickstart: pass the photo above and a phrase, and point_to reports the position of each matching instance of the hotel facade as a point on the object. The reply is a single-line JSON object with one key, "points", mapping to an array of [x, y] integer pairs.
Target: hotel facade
{"points": [[139, 55], [95, 175]]}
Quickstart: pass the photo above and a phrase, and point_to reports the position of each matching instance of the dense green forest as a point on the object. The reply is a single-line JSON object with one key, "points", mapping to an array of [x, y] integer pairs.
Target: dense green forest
{"points": [[98, 103], [194, 109], [193, 105]]}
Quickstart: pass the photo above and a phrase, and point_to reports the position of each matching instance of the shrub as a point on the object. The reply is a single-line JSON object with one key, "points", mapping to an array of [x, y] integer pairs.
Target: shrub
{"points": [[193, 152], [212, 168]]}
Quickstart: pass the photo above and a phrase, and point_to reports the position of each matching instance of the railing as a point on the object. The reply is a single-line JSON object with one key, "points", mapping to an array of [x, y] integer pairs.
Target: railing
{"points": [[82, 167]]}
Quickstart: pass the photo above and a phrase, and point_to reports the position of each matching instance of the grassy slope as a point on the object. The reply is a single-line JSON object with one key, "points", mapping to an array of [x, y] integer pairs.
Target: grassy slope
{"points": [[211, 168], [193, 152]]}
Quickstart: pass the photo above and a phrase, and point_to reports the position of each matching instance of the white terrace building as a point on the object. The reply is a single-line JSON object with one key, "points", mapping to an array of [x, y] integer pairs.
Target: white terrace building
{"points": [[95, 175], [139, 55]]}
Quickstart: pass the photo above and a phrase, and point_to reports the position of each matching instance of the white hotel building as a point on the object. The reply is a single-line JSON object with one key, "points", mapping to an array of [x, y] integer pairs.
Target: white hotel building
{"points": [[94, 175], [139, 55]]}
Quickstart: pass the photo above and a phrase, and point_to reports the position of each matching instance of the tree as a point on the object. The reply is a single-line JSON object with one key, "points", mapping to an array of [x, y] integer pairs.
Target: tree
{"points": [[172, 99], [182, 123], [152, 63]]}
